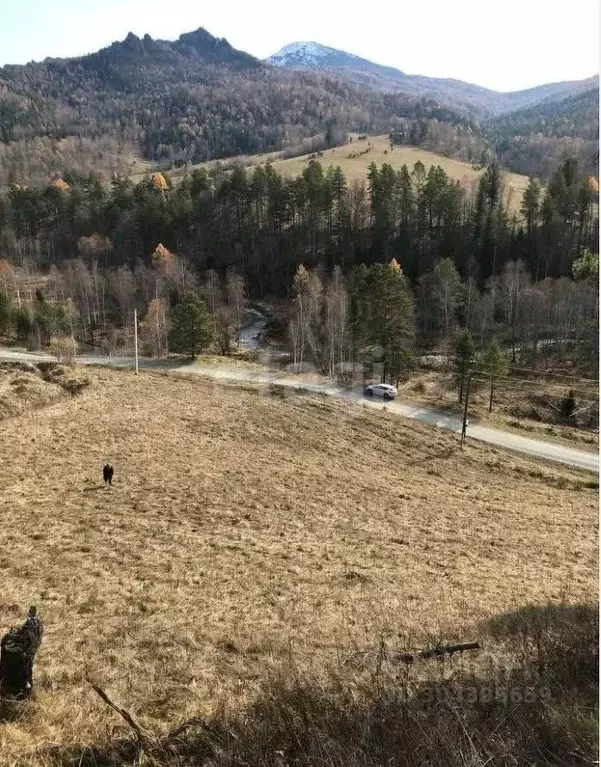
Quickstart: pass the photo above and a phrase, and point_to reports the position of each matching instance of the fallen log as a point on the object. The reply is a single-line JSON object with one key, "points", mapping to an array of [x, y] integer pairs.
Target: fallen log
{"points": [[17, 654], [412, 657], [435, 652], [153, 743]]}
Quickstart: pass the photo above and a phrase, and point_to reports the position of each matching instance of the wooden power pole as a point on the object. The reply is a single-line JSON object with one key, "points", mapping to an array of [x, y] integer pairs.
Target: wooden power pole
{"points": [[136, 336], [467, 399]]}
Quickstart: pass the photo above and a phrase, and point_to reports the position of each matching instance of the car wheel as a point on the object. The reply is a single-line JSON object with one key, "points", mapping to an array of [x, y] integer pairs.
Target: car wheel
{"points": [[369, 393]]}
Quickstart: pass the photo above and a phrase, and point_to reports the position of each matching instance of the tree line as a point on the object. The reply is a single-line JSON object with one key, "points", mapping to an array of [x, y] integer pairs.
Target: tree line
{"points": [[372, 315], [334, 322], [465, 261], [82, 304], [264, 224]]}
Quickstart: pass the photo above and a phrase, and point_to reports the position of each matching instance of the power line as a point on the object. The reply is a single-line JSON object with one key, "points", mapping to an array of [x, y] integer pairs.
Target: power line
{"points": [[136, 336], [499, 383], [484, 371], [581, 394], [507, 381], [526, 381], [549, 373], [535, 371]]}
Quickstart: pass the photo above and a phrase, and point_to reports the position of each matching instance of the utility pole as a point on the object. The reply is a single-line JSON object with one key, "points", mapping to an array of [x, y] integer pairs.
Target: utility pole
{"points": [[136, 336], [467, 399]]}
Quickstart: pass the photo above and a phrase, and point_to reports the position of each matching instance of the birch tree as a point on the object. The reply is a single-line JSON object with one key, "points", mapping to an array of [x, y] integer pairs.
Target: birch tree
{"points": [[447, 284], [514, 281], [153, 328]]}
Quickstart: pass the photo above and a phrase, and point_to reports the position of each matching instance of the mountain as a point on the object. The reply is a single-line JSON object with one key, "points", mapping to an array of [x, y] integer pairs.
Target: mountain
{"points": [[536, 139], [455, 93], [574, 116], [193, 99], [197, 98], [309, 54], [549, 93]]}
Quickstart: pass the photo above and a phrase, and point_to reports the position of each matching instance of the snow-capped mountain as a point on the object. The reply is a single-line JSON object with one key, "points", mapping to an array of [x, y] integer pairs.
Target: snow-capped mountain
{"points": [[453, 93], [311, 54]]}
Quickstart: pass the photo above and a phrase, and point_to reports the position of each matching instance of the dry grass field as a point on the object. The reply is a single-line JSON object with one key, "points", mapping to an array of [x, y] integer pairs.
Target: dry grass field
{"points": [[355, 168], [247, 531]]}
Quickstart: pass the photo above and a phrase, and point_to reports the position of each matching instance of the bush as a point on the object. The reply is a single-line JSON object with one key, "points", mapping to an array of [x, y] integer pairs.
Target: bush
{"points": [[64, 349]]}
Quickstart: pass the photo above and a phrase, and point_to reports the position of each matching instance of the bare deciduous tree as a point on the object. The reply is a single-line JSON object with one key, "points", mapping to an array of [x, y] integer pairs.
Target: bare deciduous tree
{"points": [[336, 301], [514, 281], [154, 329], [236, 298], [123, 286], [446, 286]]}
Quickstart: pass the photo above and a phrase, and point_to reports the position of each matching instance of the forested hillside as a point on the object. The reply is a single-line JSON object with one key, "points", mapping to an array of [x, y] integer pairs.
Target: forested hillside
{"points": [[536, 140], [465, 97], [197, 99], [191, 100]]}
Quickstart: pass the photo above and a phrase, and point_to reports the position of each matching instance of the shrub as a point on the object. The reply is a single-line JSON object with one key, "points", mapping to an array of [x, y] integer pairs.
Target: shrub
{"points": [[63, 348]]}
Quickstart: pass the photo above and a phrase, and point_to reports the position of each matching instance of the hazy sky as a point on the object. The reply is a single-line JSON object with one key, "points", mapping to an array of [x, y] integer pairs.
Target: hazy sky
{"points": [[505, 45]]}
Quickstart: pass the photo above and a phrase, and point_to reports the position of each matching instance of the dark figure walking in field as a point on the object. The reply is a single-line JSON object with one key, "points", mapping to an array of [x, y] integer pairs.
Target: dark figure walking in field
{"points": [[107, 474]]}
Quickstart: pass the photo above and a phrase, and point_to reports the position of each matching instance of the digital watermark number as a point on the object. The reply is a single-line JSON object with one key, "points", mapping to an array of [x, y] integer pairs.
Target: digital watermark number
{"points": [[475, 694]]}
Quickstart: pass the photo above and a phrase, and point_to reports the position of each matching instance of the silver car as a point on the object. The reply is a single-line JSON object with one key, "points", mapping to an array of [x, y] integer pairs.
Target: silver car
{"points": [[386, 391]]}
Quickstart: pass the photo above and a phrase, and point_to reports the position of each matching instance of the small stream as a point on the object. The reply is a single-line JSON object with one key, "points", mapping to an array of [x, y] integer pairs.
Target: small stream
{"points": [[252, 335]]}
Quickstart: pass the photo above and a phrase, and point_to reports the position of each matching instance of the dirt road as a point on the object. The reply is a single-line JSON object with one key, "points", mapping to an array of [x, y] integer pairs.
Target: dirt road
{"points": [[503, 439]]}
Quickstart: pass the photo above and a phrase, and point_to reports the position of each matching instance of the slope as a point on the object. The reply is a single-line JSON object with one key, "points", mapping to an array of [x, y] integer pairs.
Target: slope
{"points": [[355, 158], [243, 527], [197, 98], [534, 140], [455, 93], [185, 101]]}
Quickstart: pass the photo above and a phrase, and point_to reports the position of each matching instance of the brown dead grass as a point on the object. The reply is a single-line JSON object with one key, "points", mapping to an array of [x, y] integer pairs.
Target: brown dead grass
{"points": [[245, 528], [525, 407], [22, 390], [355, 168]]}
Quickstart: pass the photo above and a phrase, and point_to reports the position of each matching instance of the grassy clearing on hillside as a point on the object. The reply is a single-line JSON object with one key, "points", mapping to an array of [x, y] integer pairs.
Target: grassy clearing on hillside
{"points": [[250, 536], [355, 168]]}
